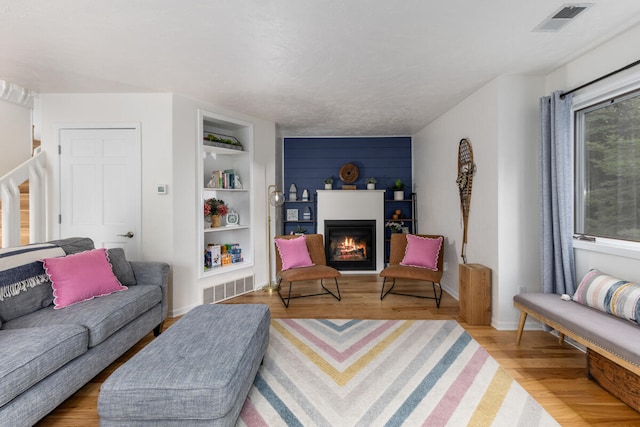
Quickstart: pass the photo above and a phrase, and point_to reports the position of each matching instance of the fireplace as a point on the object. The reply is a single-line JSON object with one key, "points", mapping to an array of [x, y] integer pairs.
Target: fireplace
{"points": [[350, 244]]}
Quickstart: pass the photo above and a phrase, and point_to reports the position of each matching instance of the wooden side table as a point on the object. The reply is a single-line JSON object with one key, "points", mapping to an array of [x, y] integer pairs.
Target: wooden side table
{"points": [[475, 294]]}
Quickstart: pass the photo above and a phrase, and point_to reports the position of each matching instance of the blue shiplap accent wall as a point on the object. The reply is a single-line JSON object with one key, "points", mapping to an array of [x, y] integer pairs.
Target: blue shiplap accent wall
{"points": [[307, 161]]}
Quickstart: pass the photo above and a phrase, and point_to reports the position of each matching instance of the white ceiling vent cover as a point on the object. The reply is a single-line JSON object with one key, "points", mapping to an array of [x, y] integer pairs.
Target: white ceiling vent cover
{"points": [[561, 17]]}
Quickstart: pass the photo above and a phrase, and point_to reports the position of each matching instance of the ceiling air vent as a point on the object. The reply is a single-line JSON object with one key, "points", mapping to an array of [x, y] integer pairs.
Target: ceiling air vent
{"points": [[561, 17]]}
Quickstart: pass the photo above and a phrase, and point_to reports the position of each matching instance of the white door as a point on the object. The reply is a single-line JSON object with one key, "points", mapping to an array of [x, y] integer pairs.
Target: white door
{"points": [[100, 187]]}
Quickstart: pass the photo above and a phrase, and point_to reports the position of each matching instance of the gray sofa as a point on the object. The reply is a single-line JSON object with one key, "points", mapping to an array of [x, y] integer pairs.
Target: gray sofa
{"points": [[47, 354]]}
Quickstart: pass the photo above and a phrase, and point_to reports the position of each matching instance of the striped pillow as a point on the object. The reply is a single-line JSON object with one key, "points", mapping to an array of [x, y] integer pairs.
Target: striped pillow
{"points": [[609, 294]]}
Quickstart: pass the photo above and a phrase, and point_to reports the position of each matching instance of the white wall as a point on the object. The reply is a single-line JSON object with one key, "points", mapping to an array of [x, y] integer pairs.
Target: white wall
{"points": [[500, 121], [168, 127], [15, 135], [153, 112]]}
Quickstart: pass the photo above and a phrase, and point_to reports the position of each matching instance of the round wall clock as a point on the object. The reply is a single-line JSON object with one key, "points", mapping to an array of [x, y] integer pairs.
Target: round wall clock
{"points": [[349, 173], [232, 218]]}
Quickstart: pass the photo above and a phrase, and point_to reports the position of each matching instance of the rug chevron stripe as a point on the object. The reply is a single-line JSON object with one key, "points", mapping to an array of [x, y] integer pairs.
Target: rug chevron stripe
{"points": [[320, 372]]}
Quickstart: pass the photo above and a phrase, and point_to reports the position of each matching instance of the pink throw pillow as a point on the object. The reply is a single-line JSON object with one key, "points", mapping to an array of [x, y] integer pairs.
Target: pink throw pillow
{"points": [[81, 277], [294, 252], [422, 252]]}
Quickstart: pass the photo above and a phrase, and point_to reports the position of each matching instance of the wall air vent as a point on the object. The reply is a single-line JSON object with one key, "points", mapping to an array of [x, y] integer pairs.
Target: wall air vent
{"points": [[225, 290], [561, 17]]}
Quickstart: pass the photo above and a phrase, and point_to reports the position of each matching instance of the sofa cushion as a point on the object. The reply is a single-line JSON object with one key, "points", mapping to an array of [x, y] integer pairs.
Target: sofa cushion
{"points": [[609, 294], [81, 277], [73, 245], [24, 285], [121, 267], [30, 355], [101, 316]]}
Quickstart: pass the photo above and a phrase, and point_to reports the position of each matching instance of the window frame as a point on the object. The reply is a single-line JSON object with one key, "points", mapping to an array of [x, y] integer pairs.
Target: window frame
{"points": [[619, 86]]}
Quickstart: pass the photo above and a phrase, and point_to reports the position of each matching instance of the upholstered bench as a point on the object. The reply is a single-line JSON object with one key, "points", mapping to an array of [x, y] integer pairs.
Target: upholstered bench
{"points": [[612, 343], [198, 372]]}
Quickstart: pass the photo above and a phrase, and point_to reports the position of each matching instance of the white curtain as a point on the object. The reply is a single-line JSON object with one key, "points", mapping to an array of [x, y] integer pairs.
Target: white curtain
{"points": [[556, 152]]}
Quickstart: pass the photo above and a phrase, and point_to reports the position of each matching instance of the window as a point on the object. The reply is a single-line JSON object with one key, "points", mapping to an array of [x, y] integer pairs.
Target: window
{"points": [[607, 202]]}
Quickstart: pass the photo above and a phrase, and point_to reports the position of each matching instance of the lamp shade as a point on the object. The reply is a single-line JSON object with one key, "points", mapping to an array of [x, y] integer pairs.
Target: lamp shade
{"points": [[276, 198]]}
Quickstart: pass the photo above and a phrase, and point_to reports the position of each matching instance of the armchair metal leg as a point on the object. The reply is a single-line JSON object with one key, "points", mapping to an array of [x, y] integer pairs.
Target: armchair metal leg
{"points": [[382, 292], [328, 291], [437, 296], [286, 301]]}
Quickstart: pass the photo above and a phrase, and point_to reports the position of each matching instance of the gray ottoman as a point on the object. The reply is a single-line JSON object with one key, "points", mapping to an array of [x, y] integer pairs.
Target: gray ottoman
{"points": [[198, 372]]}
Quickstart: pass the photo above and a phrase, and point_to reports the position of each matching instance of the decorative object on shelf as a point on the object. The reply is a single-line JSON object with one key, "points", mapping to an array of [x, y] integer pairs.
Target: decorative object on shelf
{"points": [[398, 189], [396, 214], [214, 182], [349, 173], [292, 214], [232, 218], [220, 140], [405, 230], [299, 230], [328, 183], [293, 193], [306, 214], [371, 183], [305, 195], [395, 227], [348, 187], [237, 183], [215, 208], [466, 169], [274, 198]]}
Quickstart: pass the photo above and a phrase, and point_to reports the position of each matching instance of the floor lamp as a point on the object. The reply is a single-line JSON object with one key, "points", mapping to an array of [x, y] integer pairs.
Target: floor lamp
{"points": [[274, 198]]}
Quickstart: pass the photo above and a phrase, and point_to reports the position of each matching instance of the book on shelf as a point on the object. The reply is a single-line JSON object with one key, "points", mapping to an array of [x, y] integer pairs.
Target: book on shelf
{"points": [[225, 179]]}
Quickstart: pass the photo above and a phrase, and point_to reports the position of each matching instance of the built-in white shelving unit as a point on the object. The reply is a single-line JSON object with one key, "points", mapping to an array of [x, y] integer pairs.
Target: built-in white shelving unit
{"points": [[216, 158]]}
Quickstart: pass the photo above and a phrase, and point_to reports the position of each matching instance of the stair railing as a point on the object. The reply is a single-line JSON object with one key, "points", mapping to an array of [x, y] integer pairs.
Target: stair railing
{"points": [[32, 170]]}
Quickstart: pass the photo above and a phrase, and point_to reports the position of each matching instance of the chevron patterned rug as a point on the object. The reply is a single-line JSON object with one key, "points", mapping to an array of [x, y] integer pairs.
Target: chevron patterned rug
{"points": [[320, 372]]}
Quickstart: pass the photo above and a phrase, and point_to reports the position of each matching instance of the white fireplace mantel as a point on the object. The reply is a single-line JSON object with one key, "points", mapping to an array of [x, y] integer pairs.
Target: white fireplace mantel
{"points": [[354, 204]]}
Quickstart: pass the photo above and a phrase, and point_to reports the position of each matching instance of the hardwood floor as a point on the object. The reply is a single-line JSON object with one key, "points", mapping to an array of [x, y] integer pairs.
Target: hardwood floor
{"points": [[554, 375]]}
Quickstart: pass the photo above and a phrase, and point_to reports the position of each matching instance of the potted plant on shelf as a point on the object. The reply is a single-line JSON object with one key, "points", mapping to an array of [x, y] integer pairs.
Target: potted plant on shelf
{"points": [[299, 230], [328, 183], [396, 227], [371, 183], [398, 189], [215, 209]]}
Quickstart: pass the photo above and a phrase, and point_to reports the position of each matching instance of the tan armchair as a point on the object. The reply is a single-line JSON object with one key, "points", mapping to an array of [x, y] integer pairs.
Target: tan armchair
{"points": [[320, 271], [396, 271]]}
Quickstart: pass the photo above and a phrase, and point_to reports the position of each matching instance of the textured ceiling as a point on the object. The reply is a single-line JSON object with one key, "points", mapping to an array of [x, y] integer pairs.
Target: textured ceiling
{"points": [[315, 67]]}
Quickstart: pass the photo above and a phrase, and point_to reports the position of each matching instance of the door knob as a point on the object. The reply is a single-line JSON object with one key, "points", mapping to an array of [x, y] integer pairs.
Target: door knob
{"points": [[129, 234]]}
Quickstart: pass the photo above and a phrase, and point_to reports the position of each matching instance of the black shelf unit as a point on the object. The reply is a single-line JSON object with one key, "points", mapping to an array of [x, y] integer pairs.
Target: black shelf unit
{"points": [[309, 225], [408, 217]]}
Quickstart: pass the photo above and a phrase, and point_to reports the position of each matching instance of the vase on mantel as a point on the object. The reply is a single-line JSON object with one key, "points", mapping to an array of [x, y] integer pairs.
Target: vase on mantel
{"points": [[215, 221]]}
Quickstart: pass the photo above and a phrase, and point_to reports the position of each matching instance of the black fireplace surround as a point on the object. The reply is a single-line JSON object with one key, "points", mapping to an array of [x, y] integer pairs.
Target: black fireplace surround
{"points": [[350, 244]]}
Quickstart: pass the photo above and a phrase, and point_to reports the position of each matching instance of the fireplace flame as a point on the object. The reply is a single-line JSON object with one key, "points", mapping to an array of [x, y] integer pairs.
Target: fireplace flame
{"points": [[348, 249]]}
